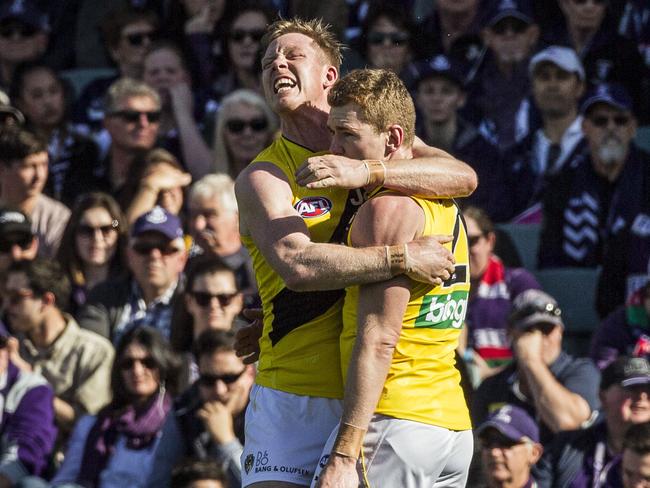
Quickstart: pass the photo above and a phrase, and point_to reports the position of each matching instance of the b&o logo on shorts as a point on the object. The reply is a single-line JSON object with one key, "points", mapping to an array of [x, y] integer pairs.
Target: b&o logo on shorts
{"points": [[248, 463], [313, 207]]}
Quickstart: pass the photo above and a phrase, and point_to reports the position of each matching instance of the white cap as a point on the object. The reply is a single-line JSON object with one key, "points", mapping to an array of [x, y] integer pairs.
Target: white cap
{"points": [[563, 57]]}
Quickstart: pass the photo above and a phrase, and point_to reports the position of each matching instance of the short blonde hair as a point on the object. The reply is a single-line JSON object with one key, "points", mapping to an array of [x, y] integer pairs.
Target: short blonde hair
{"points": [[220, 187], [125, 88], [315, 29], [382, 97]]}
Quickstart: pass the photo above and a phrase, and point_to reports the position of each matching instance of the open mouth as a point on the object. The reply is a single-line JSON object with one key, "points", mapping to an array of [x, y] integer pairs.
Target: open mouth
{"points": [[283, 84]]}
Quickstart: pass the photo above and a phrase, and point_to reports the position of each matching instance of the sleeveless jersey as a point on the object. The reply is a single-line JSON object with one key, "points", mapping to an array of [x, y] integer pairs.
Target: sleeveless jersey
{"points": [[423, 383], [299, 347]]}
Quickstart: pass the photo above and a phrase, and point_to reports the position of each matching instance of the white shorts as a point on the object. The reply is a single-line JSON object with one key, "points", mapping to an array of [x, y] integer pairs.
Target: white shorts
{"points": [[285, 435], [409, 454]]}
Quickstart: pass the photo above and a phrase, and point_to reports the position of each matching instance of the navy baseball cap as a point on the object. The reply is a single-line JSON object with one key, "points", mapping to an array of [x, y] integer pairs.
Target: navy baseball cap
{"points": [[533, 307], [626, 371], [439, 65], [611, 94], [25, 11], [14, 223], [500, 9], [513, 422], [158, 220]]}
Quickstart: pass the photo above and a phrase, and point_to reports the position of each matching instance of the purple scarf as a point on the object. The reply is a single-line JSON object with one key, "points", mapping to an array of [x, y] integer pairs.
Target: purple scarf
{"points": [[140, 426]]}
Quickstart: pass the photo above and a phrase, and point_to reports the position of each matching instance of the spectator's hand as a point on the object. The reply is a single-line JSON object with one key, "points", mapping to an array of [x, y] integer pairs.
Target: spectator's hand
{"points": [[182, 100], [217, 419], [13, 347], [528, 347], [340, 472], [429, 261], [247, 343], [163, 177], [330, 170], [205, 20]]}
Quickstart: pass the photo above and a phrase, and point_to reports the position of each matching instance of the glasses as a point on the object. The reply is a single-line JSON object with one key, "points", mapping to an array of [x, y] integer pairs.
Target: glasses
{"points": [[595, 2], [89, 231], [473, 240], [134, 116], [516, 26], [209, 380], [602, 121], [145, 248], [238, 35], [237, 126], [7, 245], [204, 299], [148, 362], [10, 30], [138, 39], [395, 38], [14, 297]]}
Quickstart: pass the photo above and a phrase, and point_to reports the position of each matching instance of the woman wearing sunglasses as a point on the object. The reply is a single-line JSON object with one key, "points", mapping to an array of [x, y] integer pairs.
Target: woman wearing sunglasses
{"points": [[245, 125], [92, 245], [115, 448]]}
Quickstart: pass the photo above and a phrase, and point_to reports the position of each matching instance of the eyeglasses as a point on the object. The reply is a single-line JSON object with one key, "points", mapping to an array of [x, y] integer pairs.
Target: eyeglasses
{"points": [[395, 38], [204, 299], [127, 364], [7, 245], [602, 121], [14, 297], [11, 29], [516, 26], [138, 39], [209, 380], [238, 35], [237, 126], [89, 231], [595, 2], [145, 248], [473, 240], [134, 116]]}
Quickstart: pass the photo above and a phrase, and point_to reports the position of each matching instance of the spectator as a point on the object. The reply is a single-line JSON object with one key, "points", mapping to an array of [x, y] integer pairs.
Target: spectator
{"points": [[245, 125], [93, 244], [115, 448], [635, 25], [17, 242], [499, 91], [493, 288], [636, 457], [23, 172], [208, 419], [557, 389], [591, 457], [166, 71], [439, 97], [214, 226], [198, 474], [509, 444], [132, 121], [9, 116], [74, 361], [624, 332], [27, 423], [39, 93], [24, 34], [558, 83], [156, 257]]}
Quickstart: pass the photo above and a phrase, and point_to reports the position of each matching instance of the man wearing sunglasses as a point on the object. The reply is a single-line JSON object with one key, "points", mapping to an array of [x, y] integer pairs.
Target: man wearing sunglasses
{"points": [[208, 419], [156, 257], [17, 242], [557, 389]]}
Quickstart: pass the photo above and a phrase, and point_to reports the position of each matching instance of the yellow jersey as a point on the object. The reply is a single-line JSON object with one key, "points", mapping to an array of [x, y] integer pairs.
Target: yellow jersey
{"points": [[299, 347], [423, 383]]}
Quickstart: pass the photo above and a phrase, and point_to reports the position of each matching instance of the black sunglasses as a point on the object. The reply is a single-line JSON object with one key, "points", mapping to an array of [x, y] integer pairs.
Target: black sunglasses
{"points": [[90, 231], [602, 121], [23, 243], [138, 39], [238, 35], [145, 248], [473, 240], [208, 380], [134, 115], [237, 126], [11, 29], [204, 299], [517, 26], [148, 362], [395, 38]]}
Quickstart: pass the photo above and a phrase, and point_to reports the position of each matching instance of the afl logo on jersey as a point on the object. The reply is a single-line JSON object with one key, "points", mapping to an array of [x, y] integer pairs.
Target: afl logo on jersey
{"points": [[313, 207]]}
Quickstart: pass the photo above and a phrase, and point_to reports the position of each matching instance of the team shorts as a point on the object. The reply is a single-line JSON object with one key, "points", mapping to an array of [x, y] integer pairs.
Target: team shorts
{"points": [[409, 454], [285, 435]]}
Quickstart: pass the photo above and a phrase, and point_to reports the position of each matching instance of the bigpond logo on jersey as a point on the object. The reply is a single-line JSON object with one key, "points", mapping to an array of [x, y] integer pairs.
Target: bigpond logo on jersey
{"points": [[443, 311], [313, 207]]}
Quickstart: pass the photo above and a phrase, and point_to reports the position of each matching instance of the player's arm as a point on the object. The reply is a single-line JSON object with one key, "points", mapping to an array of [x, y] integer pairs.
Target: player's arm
{"points": [[432, 173], [266, 213], [380, 313]]}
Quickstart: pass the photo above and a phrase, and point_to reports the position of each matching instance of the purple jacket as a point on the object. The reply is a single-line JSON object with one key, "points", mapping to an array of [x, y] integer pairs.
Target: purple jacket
{"points": [[624, 332]]}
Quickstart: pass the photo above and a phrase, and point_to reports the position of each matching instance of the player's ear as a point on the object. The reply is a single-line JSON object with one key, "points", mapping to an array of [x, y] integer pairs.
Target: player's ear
{"points": [[395, 138]]}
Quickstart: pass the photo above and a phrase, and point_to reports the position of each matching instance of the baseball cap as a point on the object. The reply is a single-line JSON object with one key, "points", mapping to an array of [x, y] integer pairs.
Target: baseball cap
{"points": [[626, 371], [158, 220], [9, 112], [610, 93], [25, 11], [14, 223], [562, 57], [501, 9], [513, 422], [439, 65], [534, 307]]}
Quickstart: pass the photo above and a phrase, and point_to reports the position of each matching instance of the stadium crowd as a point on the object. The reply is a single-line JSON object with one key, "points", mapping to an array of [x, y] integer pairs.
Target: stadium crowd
{"points": [[124, 279]]}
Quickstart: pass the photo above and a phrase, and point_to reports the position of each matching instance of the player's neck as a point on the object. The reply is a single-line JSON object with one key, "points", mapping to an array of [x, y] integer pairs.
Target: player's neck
{"points": [[307, 127]]}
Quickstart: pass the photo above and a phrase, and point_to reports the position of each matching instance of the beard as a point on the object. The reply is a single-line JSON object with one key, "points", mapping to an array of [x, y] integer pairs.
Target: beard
{"points": [[611, 151]]}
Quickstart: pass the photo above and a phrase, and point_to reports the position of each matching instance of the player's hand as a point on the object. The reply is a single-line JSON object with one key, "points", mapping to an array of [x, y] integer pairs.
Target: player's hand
{"points": [[429, 261], [247, 339], [330, 170], [340, 472]]}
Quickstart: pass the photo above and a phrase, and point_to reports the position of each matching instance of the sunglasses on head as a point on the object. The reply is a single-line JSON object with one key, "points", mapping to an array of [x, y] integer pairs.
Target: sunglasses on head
{"points": [[516, 26], [603, 120], [238, 35], [395, 38], [145, 248], [11, 29], [208, 380], [89, 231], [138, 39], [237, 126], [547, 309], [134, 115], [148, 362], [204, 299], [23, 243]]}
